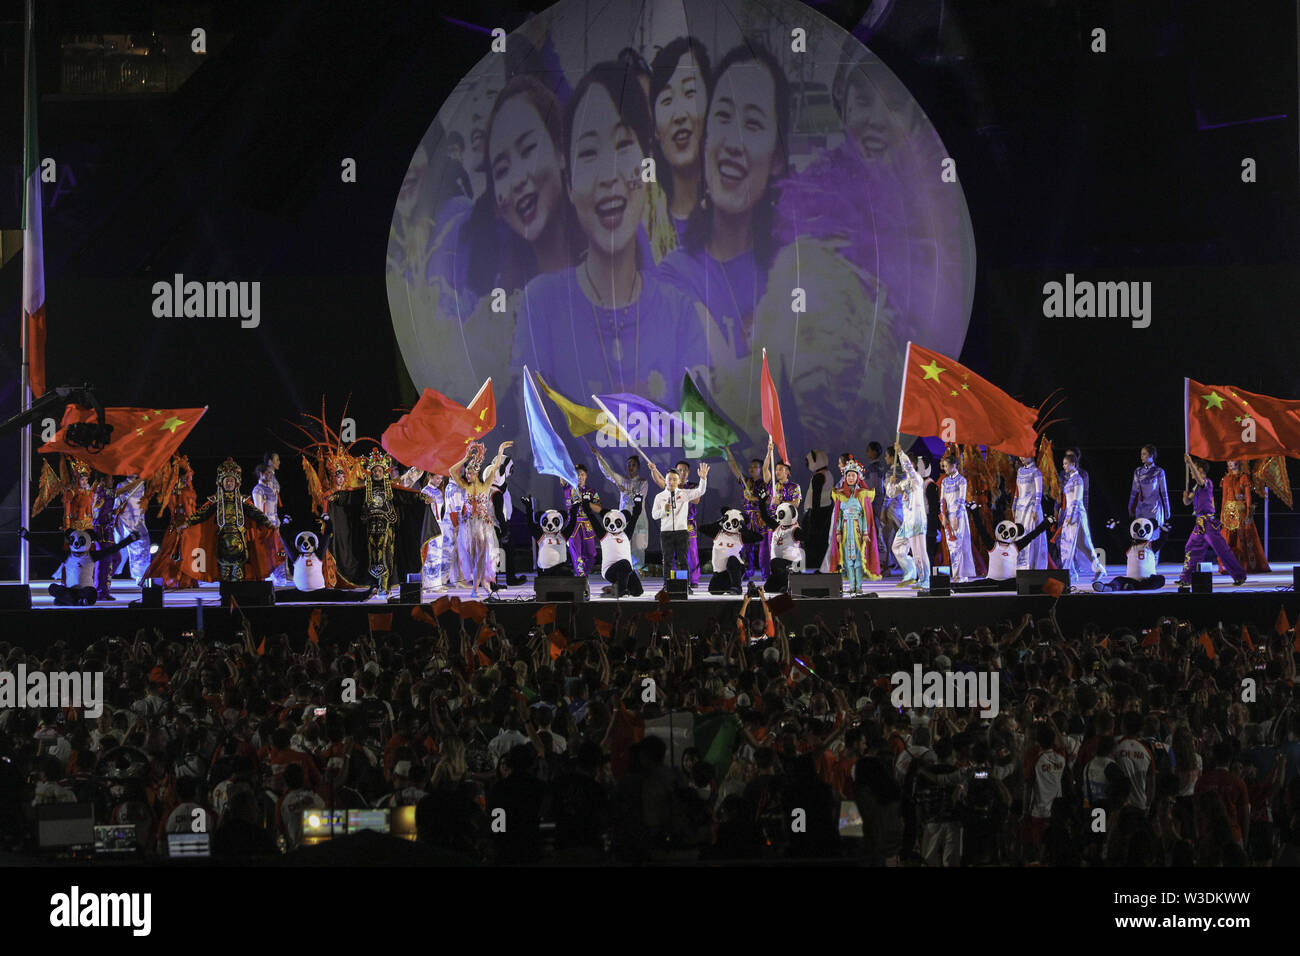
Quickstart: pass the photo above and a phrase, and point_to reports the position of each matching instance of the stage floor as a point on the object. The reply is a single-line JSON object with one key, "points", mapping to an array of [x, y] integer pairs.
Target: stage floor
{"points": [[207, 594]]}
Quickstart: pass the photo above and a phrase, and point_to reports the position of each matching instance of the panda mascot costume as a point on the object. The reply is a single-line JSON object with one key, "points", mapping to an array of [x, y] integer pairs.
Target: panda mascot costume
{"points": [[1140, 571], [612, 530], [76, 586], [730, 535], [306, 558], [1010, 540], [786, 547], [551, 531]]}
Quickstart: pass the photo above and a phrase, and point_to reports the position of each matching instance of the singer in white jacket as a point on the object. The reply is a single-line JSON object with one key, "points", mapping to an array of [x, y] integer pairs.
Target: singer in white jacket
{"points": [[670, 508]]}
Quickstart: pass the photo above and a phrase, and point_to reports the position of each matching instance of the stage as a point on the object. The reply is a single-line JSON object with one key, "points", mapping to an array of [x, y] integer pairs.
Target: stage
{"points": [[888, 603]]}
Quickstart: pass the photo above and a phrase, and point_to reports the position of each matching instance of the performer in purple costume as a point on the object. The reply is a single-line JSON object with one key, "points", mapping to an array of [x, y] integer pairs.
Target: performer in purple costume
{"points": [[583, 548], [1208, 531]]}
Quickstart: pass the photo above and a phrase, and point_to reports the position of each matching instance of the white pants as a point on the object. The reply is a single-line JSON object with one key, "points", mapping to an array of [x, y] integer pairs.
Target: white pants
{"points": [[912, 558], [941, 844]]}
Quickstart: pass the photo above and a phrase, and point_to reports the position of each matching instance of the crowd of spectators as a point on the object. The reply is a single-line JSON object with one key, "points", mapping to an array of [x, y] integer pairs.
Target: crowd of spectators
{"points": [[1172, 746]]}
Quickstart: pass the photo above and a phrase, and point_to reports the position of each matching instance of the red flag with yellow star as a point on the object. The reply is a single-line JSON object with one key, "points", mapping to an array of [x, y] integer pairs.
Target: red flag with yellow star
{"points": [[942, 397], [142, 440], [1226, 423], [436, 432]]}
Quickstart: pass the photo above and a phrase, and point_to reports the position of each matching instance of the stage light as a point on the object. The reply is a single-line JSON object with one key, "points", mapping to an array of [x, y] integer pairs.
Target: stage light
{"points": [[153, 549]]}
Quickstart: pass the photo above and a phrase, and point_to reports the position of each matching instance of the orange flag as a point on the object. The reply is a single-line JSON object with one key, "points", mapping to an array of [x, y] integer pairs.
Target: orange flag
{"points": [[442, 605], [484, 635], [434, 434], [261, 647], [1245, 638], [1281, 625], [474, 610], [1105, 642], [418, 613], [545, 615], [1153, 637], [558, 643], [602, 628], [1208, 644], [313, 627], [1053, 587], [381, 622]]}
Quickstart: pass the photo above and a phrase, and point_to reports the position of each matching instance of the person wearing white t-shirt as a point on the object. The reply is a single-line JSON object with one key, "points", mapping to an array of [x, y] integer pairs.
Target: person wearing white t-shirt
{"points": [[671, 508], [1137, 760], [1045, 769]]}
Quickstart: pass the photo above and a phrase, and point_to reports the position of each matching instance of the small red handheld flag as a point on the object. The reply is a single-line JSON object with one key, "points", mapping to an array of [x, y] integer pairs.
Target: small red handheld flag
{"points": [[772, 411]]}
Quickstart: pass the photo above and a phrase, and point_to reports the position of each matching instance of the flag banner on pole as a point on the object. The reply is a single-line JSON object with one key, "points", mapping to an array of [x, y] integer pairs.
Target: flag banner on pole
{"points": [[772, 410], [714, 436], [143, 439], [1226, 423], [644, 422], [942, 397], [550, 457], [620, 434], [434, 434], [580, 419], [1271, 473], [33, 332]]}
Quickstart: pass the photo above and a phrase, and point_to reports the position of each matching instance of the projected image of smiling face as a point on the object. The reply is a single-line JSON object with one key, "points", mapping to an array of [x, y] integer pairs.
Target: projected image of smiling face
{"points": [[741, 149], [866, 117], [605, 188], [679, 114], [526, 168], [485, 94]]}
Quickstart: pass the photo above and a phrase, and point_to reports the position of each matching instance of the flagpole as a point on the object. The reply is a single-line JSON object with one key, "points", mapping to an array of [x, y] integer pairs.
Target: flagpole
{"points": [[25, 383], [902, 392]]}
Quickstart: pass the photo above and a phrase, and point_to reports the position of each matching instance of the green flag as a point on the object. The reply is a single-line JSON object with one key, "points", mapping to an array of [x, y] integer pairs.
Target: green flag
{"points": [[713, 435], [715, 738]]}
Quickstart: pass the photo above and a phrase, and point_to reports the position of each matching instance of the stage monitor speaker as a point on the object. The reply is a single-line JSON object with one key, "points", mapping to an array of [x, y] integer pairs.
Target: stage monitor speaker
{"points": [[940, 586], [15, 597], [1031, 583], [151, 596], [560, 587], [816, 585], [410, 593], [678, 585], [1202, 582], [248, 593], [1295, 577], [413, 577]]}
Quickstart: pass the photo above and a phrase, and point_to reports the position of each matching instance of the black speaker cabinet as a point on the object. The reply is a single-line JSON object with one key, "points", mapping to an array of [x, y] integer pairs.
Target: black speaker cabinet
{"points": [[409, 593], [151, 596], [561, 587], [1031, 583], [678, 588], [248, 593], [814, 584], [940, 585], [15, 597], [1202, 582], [1295, 577]]}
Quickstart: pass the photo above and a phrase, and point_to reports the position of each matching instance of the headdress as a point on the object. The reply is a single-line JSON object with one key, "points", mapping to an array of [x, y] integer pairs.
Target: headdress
{"points": [[229, 468], [476, 453], [854, 466], [379, 457]]}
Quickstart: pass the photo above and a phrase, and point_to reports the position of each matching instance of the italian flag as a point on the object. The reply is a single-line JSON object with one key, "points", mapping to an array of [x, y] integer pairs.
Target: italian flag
{"points": [[33, 334]]}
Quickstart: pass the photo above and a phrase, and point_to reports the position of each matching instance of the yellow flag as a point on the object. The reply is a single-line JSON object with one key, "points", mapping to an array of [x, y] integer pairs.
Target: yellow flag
{"points": [[580, 419]]}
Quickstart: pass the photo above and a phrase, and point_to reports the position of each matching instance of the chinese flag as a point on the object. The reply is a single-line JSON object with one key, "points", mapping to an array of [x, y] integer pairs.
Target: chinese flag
{"points": [[772, 411], [1220, 419], [939, 392], [558, 643], [602, 628], [381, 622], [1281, 625], [545, 615], [143, 439], [1053, 587], [313, 627], [442, 605], [1208, 644], [473, 610], [434, 434]]}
